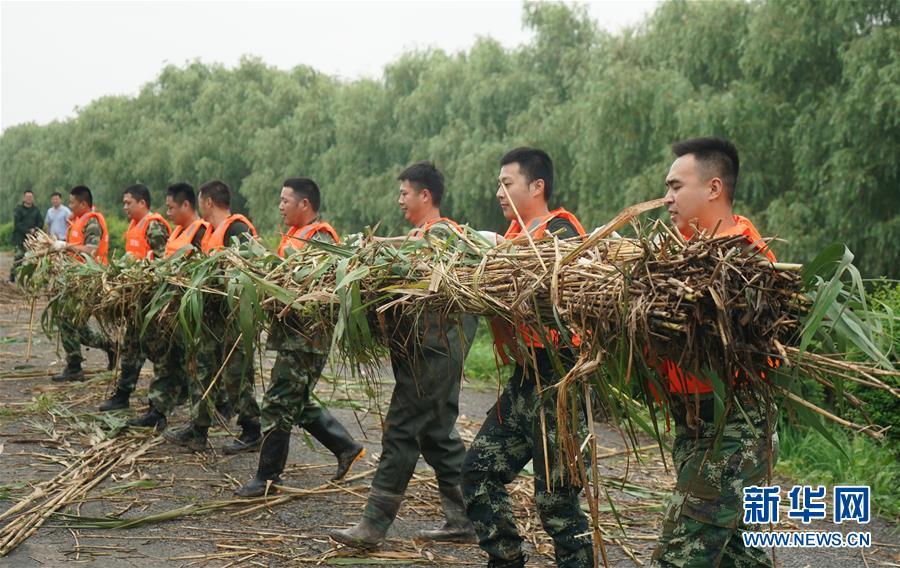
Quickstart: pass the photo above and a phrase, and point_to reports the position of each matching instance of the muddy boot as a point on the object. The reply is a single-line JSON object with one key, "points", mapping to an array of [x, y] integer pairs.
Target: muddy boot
{"points": [[517, 562], [117, 401], [458, 527], [272, 457], [72, 372], [191, 437], [249, 440], [381, 508], [332, 434], [151, 419]]}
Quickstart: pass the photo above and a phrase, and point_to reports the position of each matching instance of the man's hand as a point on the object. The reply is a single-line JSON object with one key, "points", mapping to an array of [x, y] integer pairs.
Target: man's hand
{"points": [[58, 246]]}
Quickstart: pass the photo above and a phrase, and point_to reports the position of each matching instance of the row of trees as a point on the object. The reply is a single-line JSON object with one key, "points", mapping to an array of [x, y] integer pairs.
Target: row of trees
{"points": [[809, 90]]}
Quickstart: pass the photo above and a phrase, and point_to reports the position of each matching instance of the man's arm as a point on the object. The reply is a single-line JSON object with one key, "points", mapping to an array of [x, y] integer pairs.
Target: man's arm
{"points": [[157, 237]]}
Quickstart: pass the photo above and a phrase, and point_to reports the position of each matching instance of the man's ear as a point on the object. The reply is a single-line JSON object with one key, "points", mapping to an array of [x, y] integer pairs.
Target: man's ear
{"points": [[716, 189], [537, 187], [425, 192]]}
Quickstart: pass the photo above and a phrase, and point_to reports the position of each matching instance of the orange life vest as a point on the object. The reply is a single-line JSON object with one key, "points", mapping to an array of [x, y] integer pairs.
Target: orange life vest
{"points": [[419, 231], [75, 235], [529, 336], [216, 239], [681, 381], [136, 236], [297, 236], [183, 237]]}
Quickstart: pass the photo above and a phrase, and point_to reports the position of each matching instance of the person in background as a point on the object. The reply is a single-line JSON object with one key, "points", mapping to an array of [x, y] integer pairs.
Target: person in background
{"points": [[26, 220], [56, 221]]}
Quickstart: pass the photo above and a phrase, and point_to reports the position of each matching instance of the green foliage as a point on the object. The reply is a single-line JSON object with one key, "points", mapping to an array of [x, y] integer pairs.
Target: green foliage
{"points": [[481, 363], [807, 457], [6, 231], [807, 90]]}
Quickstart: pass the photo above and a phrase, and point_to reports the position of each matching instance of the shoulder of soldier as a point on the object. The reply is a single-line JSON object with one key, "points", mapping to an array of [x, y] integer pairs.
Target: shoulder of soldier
{"points": [[157, 227], [562, 228], [441, 230]]}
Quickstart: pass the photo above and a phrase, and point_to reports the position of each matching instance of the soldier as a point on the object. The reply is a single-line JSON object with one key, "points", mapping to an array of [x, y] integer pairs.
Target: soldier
{"points": [[427, 358], [87, 236], [220, 344], [300, 360], [704, 518], [145, 238], [511, 434], [168, 352]]}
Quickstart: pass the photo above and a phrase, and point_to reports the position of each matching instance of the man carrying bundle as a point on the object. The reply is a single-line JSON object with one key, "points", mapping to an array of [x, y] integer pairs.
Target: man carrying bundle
{"points": [[512, 433], [221, 345], [169, 354], [704, 519], [427, 358], [145, 238], [87, 235], [300, 360]]}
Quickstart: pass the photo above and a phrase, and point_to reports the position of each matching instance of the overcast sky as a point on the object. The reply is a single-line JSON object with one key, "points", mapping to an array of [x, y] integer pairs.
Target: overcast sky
{"points": [[55, 56]]}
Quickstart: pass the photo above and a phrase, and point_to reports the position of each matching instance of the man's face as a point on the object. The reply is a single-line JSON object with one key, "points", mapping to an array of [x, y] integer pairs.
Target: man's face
{"points": [[688, 193], [28, 199], [78, 207], [413, 204], [55, 201], [133, 208], [293, 210], [179, 214], [518, 190]]}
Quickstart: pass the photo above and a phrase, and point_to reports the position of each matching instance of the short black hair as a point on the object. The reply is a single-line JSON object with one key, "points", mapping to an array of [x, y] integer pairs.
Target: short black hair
{"points": [[425, 175], [139, 192], [181, 192], [83, 193], [716, 155], [56, 194], [218, 191], [534, 163], [305, 188], [27, 191]]}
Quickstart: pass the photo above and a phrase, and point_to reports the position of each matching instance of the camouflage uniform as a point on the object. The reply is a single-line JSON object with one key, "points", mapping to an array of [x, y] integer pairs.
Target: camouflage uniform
{"points": [[133, 352], [170, 378], [704, 519], [72, 337], [509, 438], [236, 380], [298, 365]]}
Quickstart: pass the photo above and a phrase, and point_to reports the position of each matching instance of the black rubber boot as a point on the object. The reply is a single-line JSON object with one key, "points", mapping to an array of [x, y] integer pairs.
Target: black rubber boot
{"points": [[151, 419], [273, 456], [518, 562], [332, 434], [72, 372], [117, 401], [458, 527], [192, 437], [381, 508], [249, 440]]}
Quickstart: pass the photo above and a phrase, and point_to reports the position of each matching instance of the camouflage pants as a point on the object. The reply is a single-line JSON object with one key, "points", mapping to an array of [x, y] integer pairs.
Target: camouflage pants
{"points": [[287, 400], [703, 523], [73, 337], [421, 418], [236, 379], [170, 378], [131, 359], [509, 438]]}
